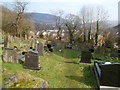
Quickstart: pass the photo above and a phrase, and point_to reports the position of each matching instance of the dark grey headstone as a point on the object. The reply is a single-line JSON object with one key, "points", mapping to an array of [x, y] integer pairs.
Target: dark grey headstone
{"points": [[86, 57], [31, 61], [40, 49], [110, 75]]}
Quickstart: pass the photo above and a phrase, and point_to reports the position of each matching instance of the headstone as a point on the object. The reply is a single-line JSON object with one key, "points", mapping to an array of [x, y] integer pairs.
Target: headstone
{"points": [[21, 59], [110, 75], [107, 73], [31, 61], [86, 57], [91, 49], [40, 49], [69, 46], [98, 49], [5, 41], [10, 55], [32, 42]]}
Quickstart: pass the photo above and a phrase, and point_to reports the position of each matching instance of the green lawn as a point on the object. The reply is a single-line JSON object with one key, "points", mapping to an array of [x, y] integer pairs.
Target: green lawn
{"points": [[60, 70]]}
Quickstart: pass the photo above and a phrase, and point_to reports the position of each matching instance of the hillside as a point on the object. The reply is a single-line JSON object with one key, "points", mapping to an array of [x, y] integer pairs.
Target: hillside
{"points": [[42, 18]]}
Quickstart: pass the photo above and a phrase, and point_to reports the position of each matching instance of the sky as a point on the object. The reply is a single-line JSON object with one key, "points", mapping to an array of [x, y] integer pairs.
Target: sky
{"points": [[71, 6]]}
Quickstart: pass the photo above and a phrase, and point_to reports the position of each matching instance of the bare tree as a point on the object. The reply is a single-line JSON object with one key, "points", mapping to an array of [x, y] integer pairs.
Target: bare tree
{"points": [[72, 22], [101, 16], [59, 22], [43, 27], [19, 9], [15, 22], [83, 16], [87, 14], [90, 20]]}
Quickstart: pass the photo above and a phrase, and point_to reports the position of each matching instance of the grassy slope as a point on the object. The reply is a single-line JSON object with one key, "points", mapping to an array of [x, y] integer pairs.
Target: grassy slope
{"points": [[60, 70]]}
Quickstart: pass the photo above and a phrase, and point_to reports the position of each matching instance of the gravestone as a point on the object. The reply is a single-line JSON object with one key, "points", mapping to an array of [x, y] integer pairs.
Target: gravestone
{"points": [[110, 75], [40, 49], [10, 55], [86, 57], [68, 46], [31, 60], [6, 41], [91, 49], [32, 42], [107, 73]]}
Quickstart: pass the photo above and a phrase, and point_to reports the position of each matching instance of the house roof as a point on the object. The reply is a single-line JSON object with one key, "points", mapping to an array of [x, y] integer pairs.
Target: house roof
{"points": [[118, 28]]}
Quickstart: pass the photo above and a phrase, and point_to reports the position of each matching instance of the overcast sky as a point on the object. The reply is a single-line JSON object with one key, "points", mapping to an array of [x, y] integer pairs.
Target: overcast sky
{"points": [[71, 6]]}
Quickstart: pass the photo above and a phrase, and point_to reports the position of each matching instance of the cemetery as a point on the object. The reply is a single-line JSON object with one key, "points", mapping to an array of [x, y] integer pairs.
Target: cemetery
{"points": [[72, 51], [69, 68]]}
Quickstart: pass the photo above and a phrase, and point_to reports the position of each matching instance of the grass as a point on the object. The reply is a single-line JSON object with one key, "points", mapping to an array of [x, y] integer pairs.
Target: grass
{"points": [[60, 70], [25, 80]]}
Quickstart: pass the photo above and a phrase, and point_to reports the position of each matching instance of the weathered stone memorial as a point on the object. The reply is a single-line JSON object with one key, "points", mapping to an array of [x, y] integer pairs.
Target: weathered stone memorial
{"points": [[31, 60], [107, 74], [40, 49], [9, 55], [86, 57]]}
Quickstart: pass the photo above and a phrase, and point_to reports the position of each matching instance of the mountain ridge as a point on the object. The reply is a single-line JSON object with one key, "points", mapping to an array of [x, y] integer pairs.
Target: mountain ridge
{"points": [[46, 18]]}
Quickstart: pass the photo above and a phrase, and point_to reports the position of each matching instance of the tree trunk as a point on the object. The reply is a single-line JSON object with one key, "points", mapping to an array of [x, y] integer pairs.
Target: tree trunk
{"points": [[84, 36], [96, 35], [71, 37], [89, 34]]}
